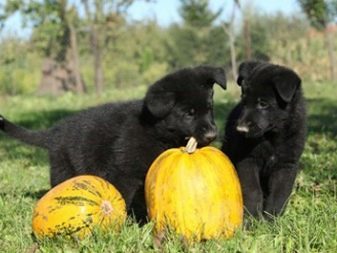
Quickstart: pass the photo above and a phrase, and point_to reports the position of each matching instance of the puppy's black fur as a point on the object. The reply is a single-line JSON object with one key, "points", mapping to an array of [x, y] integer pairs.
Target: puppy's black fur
{"points": [[265, 135], [119, 141]]}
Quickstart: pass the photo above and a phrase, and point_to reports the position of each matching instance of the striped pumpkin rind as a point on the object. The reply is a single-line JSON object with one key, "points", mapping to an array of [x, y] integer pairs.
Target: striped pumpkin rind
{"points": [[197, 195], [78, 205]]}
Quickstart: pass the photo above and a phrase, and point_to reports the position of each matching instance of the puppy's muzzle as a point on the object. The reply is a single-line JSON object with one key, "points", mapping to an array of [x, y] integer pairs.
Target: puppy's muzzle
{"points": [[244, 126], [210, 136]]}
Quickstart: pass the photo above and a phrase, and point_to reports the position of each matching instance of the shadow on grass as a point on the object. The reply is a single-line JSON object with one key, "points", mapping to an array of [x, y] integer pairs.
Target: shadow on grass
{"points": [[15, 150], [35, 194], [28, 194], [322, 116], [43, 119], [322, 119]]}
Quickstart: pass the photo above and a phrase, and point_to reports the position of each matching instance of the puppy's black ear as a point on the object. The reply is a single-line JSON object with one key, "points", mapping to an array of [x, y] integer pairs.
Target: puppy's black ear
{"points": [[219, 77], [213, 75], [159, 103], [286, 83], [246, 69]]}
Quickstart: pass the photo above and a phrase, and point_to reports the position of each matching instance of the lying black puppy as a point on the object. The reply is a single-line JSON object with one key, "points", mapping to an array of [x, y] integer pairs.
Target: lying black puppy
{"points": [[265, 135], [119, 141]]}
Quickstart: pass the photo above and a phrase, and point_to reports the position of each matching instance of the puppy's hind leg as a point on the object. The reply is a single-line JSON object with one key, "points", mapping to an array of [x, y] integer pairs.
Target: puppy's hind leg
{"points": [[132, 190], [61, 168], [138, 206], [127, 186]]}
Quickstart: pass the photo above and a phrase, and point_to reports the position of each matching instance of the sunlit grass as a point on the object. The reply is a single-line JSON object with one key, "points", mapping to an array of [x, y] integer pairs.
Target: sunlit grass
{"points": [[308, 225]]}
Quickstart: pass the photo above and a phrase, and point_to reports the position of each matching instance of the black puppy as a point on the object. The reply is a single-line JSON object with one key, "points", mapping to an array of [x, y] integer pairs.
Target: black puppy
{"points": [[265, 135], [119, 141]]}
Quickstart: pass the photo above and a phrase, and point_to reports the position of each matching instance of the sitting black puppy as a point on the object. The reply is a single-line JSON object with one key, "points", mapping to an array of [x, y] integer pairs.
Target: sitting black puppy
{"points": [[265, 135], [119, 141]]}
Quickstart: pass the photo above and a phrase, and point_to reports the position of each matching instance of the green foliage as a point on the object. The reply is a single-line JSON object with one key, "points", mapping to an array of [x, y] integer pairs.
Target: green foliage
{"points": [[9, 8], [137, 57], [19, 72], [308, 225], [185, 47], [48, 19], [260, 40], [216, 47], [136, 54], [276, 37], [197, 40], [154, 72], [319, 12], [197, 13]]}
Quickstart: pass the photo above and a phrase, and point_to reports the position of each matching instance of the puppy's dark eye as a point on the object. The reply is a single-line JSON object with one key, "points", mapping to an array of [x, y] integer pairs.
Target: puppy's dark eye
{"points": [[262, 104], [190, 112]]}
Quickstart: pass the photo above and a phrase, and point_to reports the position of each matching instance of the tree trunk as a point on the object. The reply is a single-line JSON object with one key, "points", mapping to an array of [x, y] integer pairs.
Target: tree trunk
{"points": [[231, 36], [248, 43], [228, 29], [95, 45], [79, 84], [331, 53], [62, 73], [96, 49], [233, 55]]}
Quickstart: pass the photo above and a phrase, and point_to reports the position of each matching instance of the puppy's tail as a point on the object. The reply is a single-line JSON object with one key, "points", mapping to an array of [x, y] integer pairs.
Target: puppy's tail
{"points": [[35, 138]]}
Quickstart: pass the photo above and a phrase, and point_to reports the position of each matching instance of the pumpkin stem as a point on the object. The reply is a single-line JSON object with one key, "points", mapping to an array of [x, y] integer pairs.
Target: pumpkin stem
{"points": [[191, 145]]}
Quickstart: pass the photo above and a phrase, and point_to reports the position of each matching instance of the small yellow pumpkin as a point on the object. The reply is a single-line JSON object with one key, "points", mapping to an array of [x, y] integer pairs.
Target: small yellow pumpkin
{"points": [[76, 206], [195, 192]]}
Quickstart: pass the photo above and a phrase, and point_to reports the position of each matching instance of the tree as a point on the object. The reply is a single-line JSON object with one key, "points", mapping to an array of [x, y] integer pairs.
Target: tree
{"points": [[103, 19], [228, 28], [197, 13], [191, 40], [55, 36], [320, 13]]}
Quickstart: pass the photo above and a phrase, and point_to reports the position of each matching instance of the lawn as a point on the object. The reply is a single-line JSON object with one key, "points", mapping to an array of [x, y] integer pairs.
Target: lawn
{"points": [[308, 225]]}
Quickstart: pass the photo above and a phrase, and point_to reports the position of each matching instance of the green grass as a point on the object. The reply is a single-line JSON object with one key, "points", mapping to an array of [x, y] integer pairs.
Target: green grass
{"points": [[308, 225]]}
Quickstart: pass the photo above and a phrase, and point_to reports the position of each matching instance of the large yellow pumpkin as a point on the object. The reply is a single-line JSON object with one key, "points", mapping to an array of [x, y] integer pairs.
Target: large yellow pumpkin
{"points": [[194, 192], [76, 206]]}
